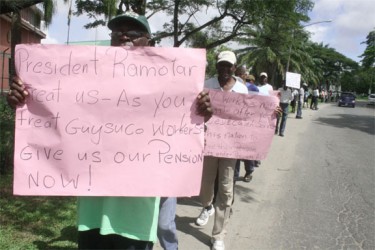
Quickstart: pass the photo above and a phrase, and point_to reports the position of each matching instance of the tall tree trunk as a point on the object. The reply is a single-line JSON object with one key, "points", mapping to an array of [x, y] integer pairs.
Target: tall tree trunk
{"points": [[15, 39]]}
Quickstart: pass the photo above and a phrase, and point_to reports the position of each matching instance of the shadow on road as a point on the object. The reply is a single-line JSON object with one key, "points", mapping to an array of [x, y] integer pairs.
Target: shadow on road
{"points": [[186, 225], [355, 122], [245, 194]]}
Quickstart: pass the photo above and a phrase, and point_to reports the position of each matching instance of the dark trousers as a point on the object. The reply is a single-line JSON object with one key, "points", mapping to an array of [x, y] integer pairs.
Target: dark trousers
{"points": [[284, 116], [249, 167], [92, 239], [314, 102]]}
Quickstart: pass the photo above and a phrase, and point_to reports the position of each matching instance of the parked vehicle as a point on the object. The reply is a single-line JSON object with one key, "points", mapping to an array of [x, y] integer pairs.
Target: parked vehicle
{"points": [[347, 99], [371, 99]]}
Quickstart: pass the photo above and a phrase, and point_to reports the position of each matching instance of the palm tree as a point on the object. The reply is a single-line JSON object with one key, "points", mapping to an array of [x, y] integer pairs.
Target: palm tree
{"points": [[269, 50]]}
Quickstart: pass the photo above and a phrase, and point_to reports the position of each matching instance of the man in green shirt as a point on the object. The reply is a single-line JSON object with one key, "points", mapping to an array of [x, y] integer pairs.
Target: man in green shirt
{"points": [[117, 222]]}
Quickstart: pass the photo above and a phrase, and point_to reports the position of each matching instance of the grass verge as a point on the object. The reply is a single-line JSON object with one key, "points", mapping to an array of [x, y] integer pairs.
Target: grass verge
{"points": [[36, 222]]}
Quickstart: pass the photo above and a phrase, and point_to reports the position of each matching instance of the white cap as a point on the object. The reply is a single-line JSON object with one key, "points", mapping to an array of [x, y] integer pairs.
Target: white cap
{"points": [[304, 84], [227, 56], [264, 74]]}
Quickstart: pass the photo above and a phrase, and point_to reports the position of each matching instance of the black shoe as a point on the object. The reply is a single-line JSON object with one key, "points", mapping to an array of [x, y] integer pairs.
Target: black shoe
{"points": [[276, 131], [247, 177], [298, 117], [282, 135]]}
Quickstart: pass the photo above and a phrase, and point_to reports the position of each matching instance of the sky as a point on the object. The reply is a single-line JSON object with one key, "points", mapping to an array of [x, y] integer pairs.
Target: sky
{"points": [[340, 24]]}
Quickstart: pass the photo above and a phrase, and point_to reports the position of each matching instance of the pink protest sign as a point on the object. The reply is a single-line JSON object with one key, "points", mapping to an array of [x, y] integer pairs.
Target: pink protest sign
{"points": [[242, 126], [109, 121]]}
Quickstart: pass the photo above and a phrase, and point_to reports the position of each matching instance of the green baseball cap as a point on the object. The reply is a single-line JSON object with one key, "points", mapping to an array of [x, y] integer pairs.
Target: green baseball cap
{"points": [[130, 17]]}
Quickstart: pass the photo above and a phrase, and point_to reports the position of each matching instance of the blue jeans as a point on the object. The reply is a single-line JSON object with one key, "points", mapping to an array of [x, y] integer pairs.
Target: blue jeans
{"points": [[249, 167], [167, 233], [284, 116], [299, 109]]}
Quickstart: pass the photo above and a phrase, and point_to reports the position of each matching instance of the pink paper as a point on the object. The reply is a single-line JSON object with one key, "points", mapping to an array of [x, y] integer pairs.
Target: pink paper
{"points": [[109, 121], [242, 126]]}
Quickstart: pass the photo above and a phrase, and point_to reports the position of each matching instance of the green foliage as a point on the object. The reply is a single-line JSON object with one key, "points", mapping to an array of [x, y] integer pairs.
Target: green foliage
{"points": [[368, 60], [6, 137], [36, 222], [360, 81], [276, 38], [97, 9], [331, 65]]}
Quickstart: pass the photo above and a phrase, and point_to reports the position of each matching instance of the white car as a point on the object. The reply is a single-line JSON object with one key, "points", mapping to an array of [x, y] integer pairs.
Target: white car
{"points": [[371, 99]]}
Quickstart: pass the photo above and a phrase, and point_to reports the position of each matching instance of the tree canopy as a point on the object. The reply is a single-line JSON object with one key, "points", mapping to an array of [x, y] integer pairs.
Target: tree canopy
{"points": [[369, 54], [266, 35]]}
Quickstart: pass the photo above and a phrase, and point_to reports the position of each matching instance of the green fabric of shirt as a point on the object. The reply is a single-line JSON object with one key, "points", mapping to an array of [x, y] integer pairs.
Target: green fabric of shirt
{"points": [[131, 217]]}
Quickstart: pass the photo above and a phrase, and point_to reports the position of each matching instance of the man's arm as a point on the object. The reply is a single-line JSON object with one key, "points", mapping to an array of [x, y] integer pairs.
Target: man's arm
{"points": [[17, 94]]}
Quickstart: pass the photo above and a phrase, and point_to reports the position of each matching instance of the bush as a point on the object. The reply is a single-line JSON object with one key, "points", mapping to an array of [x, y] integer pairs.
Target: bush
{"points": [[6, 136]]}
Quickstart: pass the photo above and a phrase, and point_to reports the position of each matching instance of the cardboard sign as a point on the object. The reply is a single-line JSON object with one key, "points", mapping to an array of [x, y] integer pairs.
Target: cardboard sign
{"points": [[109, 121], [293, 80], [242, 127]]}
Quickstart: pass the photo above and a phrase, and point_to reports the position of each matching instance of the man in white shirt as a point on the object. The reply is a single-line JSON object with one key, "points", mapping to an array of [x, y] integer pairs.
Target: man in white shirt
{"points": [[216, 166], [315, 99], [301, 99], [285, 98], [264, 87]]}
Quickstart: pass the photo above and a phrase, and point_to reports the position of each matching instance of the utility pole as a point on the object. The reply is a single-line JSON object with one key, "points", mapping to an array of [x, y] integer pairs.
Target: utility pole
{"points": [[69, 17]]}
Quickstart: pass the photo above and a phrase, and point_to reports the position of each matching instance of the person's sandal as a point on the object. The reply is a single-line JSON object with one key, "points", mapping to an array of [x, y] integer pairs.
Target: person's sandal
{"points": [[247, 178]]}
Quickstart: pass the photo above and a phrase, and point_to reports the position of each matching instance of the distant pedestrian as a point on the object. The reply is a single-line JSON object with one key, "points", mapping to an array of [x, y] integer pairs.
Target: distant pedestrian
{"points": [[305, 102], [285, 98], [301, 99], [294, 100], [315, 99], [264, 87], [250, 83]]}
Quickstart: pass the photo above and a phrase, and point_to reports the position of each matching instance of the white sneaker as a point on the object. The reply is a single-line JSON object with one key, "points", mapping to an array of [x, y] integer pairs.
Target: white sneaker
{"points": [[204, 216], [217, 245]]}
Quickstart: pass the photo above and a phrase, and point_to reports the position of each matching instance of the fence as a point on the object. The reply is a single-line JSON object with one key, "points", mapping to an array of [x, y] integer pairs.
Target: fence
{"points": [[6, 136]]}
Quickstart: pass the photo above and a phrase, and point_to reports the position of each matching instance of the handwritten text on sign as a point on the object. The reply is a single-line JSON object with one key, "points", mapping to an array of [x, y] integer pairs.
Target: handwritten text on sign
{"points": [[109, 121], [242, 126]]}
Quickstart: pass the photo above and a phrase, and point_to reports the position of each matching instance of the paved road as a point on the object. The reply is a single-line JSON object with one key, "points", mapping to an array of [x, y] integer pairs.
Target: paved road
{"points": [[316, 189]]}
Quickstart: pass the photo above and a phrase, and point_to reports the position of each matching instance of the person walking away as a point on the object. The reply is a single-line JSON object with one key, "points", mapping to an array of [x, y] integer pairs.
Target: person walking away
{"points": [[305, 102], [315, 99], [301, 98], [223, 167], [294, 100], [285, 98]]}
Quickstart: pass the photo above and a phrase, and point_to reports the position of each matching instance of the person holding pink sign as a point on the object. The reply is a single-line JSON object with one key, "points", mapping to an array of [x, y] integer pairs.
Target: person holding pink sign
{"points": [[121, 222], [112, 222], [223, 167]]}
